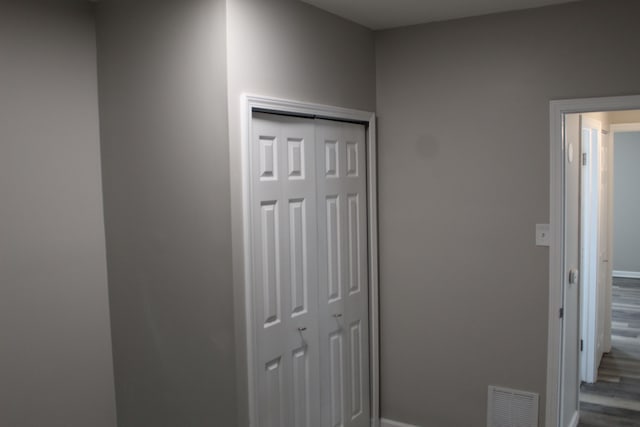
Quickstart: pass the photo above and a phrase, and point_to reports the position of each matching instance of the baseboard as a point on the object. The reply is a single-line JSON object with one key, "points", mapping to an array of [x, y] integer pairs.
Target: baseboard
{"points": [[626, 274], [388, 423], [575, 419]]}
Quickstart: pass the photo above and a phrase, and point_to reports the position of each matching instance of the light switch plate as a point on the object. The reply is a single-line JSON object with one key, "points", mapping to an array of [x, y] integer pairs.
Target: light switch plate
{"points": [[542, 235]]}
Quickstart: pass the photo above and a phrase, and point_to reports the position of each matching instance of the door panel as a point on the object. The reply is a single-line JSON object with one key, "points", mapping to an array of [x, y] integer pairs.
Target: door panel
{"points": [[333, 238], [270, 265], [336, 388], [355, 251], [357, 385], [275, 407], [299, 253], [343, 276], [283, 197], [570, 381], [590, 236], [302, 384]]}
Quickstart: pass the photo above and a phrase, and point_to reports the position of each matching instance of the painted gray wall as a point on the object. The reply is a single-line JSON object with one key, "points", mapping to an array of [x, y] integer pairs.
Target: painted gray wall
{"points": [[165, 165], [287, 49], [55, 346], [463, 111], [626, 202]]}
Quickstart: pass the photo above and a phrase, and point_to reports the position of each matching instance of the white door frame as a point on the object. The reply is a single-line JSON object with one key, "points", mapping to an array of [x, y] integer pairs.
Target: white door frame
{"points": [[253, 103], [557, 231]]}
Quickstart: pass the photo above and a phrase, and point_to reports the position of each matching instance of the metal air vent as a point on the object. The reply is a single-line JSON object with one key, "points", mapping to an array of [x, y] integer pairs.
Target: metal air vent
{"points": [[511, 408]]}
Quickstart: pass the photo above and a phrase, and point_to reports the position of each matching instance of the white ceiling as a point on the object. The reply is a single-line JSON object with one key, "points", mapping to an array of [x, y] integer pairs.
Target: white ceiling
{"points": [[383, 14]]}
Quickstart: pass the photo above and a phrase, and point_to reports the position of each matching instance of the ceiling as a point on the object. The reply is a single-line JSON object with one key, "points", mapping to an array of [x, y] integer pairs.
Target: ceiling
{"points": [[384, 14]]}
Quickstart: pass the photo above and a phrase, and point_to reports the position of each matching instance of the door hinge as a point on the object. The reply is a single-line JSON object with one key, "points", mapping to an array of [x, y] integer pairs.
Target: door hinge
{"points": [[581, 345], [561, 313], [584, 159]]}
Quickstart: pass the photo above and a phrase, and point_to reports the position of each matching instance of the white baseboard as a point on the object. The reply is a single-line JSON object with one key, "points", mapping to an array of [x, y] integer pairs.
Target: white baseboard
{"points": [[575, 419], [626, 274], [388, 423]]}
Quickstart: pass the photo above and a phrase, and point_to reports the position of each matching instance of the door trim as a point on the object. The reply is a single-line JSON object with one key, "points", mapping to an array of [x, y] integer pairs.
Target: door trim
{"points": [[557, 231], [255, 103]]}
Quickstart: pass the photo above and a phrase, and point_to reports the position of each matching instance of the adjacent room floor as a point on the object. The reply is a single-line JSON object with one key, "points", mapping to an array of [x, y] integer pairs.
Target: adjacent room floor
{"points": [[614, 400]]}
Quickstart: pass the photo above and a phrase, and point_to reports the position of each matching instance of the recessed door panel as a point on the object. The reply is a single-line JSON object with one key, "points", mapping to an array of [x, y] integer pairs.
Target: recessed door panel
{"points": [[357, 385], [268, 158], [353, 234], [296, 158], [334, 267], [336, 375], [299, 253], [331, 158], [352, 159], [270, 262], [275, 400], [301, 388]]}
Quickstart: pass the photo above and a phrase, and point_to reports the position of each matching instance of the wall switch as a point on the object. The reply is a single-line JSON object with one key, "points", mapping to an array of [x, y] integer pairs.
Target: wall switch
{"points": [[542, 235]]}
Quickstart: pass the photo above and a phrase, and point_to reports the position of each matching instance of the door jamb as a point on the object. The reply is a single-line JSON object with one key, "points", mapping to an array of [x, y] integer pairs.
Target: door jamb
{"points": [[249, 104], [557, 231]]}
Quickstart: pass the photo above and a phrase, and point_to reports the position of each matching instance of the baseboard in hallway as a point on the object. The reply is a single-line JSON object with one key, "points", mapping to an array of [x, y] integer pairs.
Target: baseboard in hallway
{"points": [[388, 423]]}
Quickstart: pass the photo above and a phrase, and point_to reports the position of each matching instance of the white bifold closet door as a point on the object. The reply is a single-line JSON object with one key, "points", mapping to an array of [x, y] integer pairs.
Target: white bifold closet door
{"points": [[309, 247]]}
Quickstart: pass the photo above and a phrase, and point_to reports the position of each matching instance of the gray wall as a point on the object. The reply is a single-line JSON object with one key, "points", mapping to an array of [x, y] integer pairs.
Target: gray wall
{"points": [[287, 49], [463, 112], [165, 165], [626, 202], [55, 346]]}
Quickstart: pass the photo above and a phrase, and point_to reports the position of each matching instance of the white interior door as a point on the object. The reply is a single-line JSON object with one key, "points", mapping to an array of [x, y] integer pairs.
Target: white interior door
{"points": [[284, 246], [343, 296], [592, 306], [310, 275], [570, 381]]}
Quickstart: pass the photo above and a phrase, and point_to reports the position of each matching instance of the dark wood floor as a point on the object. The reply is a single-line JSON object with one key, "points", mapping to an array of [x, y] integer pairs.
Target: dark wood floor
{"points": [[614, 400]]}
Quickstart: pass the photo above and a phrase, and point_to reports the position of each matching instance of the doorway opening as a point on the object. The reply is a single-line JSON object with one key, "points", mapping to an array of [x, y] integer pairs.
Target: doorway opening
{"points": [[582, 267], [609, 309]]}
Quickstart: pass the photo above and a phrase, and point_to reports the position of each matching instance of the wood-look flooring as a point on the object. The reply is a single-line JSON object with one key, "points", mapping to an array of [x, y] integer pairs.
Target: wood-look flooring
{"points": [[614, 400]]}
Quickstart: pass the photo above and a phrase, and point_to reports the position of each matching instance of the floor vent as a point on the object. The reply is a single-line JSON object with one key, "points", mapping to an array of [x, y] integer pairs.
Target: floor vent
{"points": [[511, 408]]}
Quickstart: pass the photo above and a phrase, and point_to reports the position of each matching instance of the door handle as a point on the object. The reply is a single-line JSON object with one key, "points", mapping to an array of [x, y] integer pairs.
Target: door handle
{"points": [[302, 329], [337, 315]]}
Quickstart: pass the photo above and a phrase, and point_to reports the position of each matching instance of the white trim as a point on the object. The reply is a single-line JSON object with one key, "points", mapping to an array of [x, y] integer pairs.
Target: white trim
{"points": [[575, 419], [248, 105], [626, 274], [556, 267], [389, 423], [556, 251]]}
